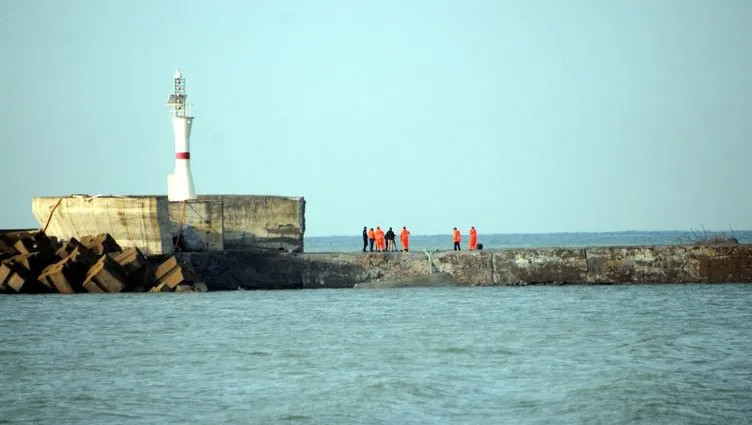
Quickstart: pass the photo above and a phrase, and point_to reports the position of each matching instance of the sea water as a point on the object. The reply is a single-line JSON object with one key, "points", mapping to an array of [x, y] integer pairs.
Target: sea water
{"points": [[642, 354]]}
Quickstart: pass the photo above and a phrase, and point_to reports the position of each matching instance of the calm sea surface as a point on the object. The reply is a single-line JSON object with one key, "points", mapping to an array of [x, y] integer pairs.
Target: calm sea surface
{"points": [[643, 354]]}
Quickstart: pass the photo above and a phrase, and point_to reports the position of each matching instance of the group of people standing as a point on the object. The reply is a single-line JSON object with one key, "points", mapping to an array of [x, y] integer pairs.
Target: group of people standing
{"points": [[457, 238], [384, 241]]}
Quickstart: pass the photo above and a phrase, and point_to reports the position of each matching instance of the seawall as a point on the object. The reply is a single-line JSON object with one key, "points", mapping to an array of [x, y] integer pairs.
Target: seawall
{"points": [[135, 221], [152, 223], [262, 222], [593, 265]]}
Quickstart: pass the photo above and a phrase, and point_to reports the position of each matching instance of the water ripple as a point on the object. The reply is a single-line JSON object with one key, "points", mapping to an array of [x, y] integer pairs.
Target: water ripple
{"points": [[612, 354]]}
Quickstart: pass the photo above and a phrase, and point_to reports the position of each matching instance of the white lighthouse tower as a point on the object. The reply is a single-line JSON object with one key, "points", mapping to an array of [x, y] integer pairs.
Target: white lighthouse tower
{"points": [[180, 182]]}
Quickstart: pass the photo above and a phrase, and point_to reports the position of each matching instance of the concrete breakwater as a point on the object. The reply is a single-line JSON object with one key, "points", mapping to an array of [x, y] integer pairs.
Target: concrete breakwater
{"points": [[592, 265], [33, 263], [151, 223]]}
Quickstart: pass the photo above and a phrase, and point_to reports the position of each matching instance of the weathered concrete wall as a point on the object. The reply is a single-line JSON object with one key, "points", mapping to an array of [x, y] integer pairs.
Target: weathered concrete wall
{"points": [[202, 224], [597, 265], [262, 223], [141, 221]]}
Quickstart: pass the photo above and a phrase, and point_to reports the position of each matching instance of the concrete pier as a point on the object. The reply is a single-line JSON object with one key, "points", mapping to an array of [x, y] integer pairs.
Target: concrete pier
{"points": [[261, 222], [254, 223], [592, 265]]}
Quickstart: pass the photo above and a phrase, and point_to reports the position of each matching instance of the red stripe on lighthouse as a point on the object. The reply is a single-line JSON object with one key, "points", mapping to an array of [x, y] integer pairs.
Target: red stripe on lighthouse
{"points": [[182, 155]]}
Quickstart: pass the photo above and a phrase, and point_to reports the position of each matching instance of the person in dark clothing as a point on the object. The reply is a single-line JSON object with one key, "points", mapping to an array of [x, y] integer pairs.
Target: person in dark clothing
{"points": [[365, 238], [390, 240]]}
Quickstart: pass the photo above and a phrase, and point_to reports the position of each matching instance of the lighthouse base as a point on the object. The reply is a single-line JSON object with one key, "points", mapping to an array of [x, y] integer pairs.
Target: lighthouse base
{"points": [[180, 187]]}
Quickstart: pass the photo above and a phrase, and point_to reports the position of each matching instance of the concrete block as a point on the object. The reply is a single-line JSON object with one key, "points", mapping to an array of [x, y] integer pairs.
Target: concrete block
{"points": [[58, 277], [20, 281], [12, 236], [143, 279], [82, 256], [32, 263], [175, 277], [37, 243], [140, 272], [5, 272], [162, 287], [91, 287], [131, 259], [6, 247], [43, 242], [67, 247], [165, 267], [15, 282], [185, 287], [200, 287], [25, 245], [108, 275], [101, 244], [66, 273], [55, 243]]}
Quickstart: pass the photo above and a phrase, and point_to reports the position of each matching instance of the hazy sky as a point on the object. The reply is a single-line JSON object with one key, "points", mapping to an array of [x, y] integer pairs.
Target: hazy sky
{"points": [[512, 116]]}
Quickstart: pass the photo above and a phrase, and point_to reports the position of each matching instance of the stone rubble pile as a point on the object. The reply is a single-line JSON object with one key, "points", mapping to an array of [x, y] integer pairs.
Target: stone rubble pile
{"points": [[32, 263]]}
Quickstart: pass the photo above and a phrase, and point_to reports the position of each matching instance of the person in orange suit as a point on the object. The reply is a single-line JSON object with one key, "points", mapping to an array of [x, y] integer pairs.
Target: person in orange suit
{"points": [[457, 238], [371, 238], [379, 239], [405, 238], [473, 239]]}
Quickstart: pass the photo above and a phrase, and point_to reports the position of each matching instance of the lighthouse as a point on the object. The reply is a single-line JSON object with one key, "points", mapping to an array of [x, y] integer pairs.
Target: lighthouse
{"points": [[180, 182]]}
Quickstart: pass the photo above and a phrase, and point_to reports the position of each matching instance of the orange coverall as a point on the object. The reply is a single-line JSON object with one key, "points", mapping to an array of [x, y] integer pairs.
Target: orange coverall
{"points": [[379, 239], [405, 238], [473, 239]]}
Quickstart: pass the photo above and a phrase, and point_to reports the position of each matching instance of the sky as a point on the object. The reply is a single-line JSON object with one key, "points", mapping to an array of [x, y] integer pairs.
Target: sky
{"points": [[510, 116]]}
